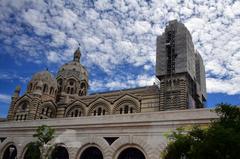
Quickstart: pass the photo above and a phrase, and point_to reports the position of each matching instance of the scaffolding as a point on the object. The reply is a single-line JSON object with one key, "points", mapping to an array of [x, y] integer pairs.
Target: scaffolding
{"points": [[170, 50], [171, 56]]}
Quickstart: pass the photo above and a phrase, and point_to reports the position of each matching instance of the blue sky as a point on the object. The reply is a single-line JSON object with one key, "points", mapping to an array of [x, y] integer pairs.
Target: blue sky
{"points": [[118, 41]]}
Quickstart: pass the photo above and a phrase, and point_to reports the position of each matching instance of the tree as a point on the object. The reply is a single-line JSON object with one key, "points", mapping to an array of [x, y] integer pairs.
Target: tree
{"points": [[221, 140], [44, 135]]}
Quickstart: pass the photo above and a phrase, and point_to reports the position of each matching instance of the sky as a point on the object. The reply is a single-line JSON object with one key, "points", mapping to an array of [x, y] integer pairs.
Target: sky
{"points": [[118, 41]]}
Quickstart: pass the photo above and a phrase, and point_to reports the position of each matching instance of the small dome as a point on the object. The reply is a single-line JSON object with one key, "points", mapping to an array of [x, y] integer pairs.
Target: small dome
{"points": [[75, 69], [44, 77]]}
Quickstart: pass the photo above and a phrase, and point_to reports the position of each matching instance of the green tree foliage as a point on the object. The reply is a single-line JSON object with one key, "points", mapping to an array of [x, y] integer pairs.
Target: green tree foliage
{"points": [[221, 140], [44, 134]]}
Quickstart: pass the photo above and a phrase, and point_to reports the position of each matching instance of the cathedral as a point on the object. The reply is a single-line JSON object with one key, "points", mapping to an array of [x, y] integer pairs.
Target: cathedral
{"points": [[119, 124]]}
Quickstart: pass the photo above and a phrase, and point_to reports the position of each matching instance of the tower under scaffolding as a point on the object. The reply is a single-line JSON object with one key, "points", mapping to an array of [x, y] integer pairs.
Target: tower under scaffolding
{"points": [[179, 70]]}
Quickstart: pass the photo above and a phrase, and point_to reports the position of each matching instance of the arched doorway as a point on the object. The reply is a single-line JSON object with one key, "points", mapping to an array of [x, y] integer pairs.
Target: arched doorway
{"points": [[131, 153], [91, 153], [60, 152], [32, 152], [10, 152]]}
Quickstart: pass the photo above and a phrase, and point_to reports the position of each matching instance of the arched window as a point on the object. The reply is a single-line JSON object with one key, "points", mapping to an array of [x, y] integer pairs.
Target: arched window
{"points": [[121, 110], [72, 91], [43, 110], [91, 153], [47, 112], [99, 111], [76, 113], [10, 152], [51, 90], [24, 106], [104, 111], [22, 111], [68, 90], [131, 153], [131, 110], [71, 84], [82, 90], [60, 152], [45, 88], [126, 109]]}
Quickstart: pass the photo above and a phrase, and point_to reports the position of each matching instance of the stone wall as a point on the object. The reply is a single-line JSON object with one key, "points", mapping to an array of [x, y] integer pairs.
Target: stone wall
{"points": [[144, 131]]}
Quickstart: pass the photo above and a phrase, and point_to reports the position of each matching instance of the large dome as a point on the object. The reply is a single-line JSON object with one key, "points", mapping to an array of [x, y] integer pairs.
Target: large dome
{"points": [[42, 83], [73, 69], [44, 77], [72, 77]]}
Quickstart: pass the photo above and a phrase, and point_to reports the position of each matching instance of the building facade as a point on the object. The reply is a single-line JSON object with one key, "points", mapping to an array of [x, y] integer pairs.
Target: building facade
{"points": [[120, 124]]}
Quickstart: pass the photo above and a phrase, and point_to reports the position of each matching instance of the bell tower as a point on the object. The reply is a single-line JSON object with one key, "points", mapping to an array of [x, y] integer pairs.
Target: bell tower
{"points": [[180, 69]]}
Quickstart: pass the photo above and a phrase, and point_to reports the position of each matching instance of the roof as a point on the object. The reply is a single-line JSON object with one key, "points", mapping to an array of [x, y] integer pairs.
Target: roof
{"points": [[123, 90]]}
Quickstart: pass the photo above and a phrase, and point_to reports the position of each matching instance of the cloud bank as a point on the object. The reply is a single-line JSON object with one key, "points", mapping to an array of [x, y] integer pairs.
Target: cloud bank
{"points": [[121, 36]]}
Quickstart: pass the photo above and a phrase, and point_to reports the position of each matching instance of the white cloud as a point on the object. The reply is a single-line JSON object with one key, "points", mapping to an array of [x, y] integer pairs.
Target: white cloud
{"points": [[141, 27], [92, 42], [103, 4], [224, 86], [235, 8], [186, 11], [4, 98], [53, 57], [144, 80], [195, 24], [115, 33], [12, 76], [120, 82], [91, 14]]}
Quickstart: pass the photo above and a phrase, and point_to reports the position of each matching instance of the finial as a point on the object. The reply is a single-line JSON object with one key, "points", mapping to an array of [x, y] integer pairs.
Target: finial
{"points": [[18, 88], [16, 92], [77, 54]]}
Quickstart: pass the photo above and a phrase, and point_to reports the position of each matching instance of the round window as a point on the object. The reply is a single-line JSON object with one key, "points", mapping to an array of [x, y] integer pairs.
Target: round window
{"points": [[24, 106]]}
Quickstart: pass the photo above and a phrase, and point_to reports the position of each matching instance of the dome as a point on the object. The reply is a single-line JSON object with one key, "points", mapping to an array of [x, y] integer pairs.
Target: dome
{"points": [[72, 78], [73, 69], [44, 77]]}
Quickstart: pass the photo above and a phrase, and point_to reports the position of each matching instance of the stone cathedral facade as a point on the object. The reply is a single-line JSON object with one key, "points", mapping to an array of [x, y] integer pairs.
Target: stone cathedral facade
{"points": [[120, 124]]}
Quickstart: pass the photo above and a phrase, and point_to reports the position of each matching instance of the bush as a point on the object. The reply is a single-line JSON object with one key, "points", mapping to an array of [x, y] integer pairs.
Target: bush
{"points": [[221, 140]]}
